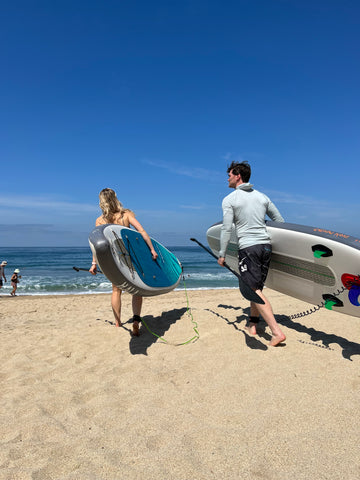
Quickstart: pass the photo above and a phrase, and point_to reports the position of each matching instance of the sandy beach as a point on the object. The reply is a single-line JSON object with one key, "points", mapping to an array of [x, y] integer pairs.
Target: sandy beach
{"points": [[81, 399]]}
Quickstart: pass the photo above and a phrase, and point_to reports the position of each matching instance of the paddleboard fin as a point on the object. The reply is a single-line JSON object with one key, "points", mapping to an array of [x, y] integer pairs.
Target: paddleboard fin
{"points": [[331, 301], [320, 251]]}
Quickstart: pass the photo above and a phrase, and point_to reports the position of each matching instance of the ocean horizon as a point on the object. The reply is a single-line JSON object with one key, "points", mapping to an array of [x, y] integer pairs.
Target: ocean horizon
{"points": [[49, 271]]}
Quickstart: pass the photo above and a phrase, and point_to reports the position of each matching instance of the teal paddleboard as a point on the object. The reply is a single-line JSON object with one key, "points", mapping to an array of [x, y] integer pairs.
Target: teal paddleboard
{"points": [[125, 259]]}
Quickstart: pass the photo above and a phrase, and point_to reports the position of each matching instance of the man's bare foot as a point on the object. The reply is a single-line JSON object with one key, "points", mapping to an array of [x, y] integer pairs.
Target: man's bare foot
{"points": [[251, 328], [276, 339], [118, 324], [136, 329]]}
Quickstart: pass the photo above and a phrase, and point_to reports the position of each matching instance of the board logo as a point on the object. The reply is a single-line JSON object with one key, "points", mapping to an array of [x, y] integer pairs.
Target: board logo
{"points": [[352, 283], [243, 266]]}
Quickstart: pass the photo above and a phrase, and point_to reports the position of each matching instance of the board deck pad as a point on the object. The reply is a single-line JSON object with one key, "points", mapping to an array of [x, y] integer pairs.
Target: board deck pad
{"points": [[156, 273], [303, 268]]}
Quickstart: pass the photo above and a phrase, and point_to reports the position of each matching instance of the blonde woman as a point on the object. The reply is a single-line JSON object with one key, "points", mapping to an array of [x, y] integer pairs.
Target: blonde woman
{"points": [[114, 212]]}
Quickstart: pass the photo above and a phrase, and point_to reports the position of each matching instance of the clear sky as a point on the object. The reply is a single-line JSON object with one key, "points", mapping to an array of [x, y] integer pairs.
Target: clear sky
{"points": [[155, 98]]}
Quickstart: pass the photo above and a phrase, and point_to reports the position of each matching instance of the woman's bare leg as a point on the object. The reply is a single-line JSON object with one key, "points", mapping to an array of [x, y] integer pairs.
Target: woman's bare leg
{"points": [[136, 306], [116, 304]]}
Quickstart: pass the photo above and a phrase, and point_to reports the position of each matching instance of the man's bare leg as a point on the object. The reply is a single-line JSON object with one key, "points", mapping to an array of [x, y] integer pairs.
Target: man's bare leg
{"points": [[116, 305], [254, 312], [266, 312], [136, 306]]}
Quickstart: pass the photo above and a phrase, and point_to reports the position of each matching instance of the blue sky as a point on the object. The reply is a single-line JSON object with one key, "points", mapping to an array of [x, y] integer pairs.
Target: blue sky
{"points": [[154, 99]]}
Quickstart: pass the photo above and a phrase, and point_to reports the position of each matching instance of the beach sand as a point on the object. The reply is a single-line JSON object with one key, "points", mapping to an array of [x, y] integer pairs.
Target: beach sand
{"points": [[81, 399]]}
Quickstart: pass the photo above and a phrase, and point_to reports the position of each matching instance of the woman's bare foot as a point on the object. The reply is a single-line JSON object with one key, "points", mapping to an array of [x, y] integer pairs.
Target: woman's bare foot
{"points": [[118, 324], [136, 329], [276, 339]]}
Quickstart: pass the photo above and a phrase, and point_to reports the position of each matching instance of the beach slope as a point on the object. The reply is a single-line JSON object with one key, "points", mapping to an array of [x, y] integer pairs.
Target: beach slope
{"points": [[81, 399]]}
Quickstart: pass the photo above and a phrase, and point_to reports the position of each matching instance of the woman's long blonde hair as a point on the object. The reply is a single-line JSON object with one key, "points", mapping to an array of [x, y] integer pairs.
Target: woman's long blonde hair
{"points": [[110, 205]]}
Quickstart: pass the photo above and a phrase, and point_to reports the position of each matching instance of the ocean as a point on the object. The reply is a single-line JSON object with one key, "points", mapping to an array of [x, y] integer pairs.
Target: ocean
{"points": [[49, 271]]}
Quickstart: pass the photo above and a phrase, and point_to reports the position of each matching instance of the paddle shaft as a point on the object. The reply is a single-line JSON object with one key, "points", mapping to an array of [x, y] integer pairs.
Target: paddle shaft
{"points": [[85, 269], [217, 258], [245, 290]]}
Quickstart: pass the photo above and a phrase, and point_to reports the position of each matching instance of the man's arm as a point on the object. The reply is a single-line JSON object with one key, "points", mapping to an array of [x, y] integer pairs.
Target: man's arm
{"points": [[273, 213], [228, 219]]}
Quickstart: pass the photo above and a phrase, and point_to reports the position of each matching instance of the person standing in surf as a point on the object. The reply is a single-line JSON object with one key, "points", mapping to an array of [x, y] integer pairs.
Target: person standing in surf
{"points": [[247, 209], [114, 212], [14, 281], [2, 272]]}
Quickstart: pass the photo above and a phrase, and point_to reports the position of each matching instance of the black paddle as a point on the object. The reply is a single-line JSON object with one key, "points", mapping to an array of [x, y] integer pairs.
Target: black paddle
{"points": [[246, 291], [85, 269]]}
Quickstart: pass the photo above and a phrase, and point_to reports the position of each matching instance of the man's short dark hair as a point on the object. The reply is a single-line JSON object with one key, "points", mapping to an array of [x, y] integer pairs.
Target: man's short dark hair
{"points": [[242, 169]]}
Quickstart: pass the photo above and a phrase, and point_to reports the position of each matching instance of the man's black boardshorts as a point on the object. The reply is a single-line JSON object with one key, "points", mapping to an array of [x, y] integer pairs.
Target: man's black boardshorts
{"points": [[254, 264]]}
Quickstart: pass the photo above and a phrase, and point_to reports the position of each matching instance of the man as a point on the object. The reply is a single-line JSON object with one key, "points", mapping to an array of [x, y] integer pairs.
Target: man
{"points": [[247, 208], [2, 272]]}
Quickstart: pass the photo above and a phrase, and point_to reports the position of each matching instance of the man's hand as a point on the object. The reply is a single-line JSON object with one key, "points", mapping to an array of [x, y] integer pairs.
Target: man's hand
{"points": [[221, 261]]}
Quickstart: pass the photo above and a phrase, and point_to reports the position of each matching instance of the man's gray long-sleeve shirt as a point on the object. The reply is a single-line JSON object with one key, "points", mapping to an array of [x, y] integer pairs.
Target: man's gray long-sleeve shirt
{"points": [[247, 208]]}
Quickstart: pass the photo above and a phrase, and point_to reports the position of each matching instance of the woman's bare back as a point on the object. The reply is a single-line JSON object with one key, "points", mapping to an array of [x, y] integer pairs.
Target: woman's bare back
{"points": [[119, 219]]}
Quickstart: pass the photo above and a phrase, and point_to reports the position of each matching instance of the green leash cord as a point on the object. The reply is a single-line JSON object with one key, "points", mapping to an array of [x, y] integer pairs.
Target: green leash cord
{"points": [[195, 325]]}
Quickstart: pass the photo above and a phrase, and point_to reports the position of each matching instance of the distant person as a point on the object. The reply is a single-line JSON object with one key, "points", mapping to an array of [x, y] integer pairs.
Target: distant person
{"points": [[14, 281], [247, 208], [2, 272], [114, 212]]}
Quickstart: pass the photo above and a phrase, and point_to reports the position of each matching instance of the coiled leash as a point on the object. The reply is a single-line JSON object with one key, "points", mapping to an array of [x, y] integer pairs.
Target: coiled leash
{"points": [[195, 325], [330, 301]]}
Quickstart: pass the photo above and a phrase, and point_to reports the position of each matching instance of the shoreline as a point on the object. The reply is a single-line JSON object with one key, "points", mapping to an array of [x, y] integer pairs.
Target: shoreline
{"points": [[83, 399], [109, 292]]}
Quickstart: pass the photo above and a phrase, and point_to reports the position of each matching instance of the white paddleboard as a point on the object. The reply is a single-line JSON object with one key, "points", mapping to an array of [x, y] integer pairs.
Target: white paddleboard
{"points": [[318, 266]]}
